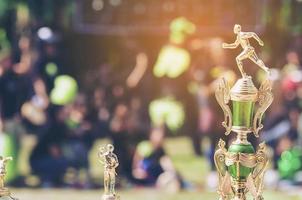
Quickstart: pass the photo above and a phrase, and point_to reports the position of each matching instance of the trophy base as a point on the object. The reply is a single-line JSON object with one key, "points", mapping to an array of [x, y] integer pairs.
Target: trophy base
{"points": [[7, 198], [110, 197], [4, 192]]}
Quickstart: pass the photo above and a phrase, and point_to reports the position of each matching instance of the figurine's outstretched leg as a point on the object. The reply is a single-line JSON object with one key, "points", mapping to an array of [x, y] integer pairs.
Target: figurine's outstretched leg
{"points": [[253, 57]]}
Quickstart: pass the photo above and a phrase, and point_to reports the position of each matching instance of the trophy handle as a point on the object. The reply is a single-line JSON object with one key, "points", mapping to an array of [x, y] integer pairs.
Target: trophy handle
{"points": [[265, 98], [224, 178], [219, 158], [222, 94], [258, 173]]}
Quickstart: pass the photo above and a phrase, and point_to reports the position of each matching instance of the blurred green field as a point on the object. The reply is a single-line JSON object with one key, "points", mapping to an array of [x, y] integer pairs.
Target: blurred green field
{"points": [[135, 194], [193, 169]]}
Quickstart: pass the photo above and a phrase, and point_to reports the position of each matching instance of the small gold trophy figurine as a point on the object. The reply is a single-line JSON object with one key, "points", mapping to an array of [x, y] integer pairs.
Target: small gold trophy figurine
{"points": [[4, 192], [248, 51], [110, 162], [240, 167]]}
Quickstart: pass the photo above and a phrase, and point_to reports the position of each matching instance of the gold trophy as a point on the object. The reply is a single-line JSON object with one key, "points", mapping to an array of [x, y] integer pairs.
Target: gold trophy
{"points": [[240, 167], [110, 162], [4, 192]]}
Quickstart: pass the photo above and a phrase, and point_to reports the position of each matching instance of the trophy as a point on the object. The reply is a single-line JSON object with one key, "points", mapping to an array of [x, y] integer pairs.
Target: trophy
{"points": [[110, 163], [241, 168], [4, 192]]}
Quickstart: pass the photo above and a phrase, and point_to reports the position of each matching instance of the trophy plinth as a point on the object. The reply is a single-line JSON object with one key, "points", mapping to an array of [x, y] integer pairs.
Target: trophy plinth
{"points": [[240, 167], [110, 197], [4, 192], [7, 198]]}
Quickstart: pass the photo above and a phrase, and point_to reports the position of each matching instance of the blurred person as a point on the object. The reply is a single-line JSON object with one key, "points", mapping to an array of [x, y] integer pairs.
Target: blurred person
{"points": [[17, 80], [281, 123], [119, 133], [152, 166], [5, 53], [98, 112], [16, 88], [34, 111], [212, 68], [47, 160], [49, 62], [79, 141], [293, 63]]}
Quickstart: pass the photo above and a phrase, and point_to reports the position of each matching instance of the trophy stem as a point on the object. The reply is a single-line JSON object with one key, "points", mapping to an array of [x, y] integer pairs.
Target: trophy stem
{"points": [[241, 138], [239, 190]]}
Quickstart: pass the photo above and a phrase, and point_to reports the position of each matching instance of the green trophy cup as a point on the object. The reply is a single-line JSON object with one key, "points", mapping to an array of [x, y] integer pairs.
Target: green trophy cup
{"points": [[110, 162], [240, 167], [4, 192]]}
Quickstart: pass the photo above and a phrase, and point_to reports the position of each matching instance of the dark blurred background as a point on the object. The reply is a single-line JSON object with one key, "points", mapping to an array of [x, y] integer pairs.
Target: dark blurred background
{"points": [[75, 73]]}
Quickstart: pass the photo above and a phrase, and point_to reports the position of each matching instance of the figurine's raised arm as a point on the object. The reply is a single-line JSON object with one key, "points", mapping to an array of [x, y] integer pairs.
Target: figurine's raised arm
{"points": [[256, 37], [231, 46]]}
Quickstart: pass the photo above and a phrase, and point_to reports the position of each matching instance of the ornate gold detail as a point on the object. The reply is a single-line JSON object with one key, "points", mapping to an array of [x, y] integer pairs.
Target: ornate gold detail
{"points": [[229, 186], [255, 180], [248, 51], [232, 183], [3, 161], [245, 159], [265, 98], [110, 162], [222, 94], [224, 188]]}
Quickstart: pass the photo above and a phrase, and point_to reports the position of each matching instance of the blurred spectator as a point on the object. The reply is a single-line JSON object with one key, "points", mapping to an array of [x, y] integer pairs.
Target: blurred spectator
{"points": [[152, 166]]}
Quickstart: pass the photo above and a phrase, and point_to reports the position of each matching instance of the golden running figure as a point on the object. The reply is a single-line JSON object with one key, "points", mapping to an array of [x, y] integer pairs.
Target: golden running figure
{"points": [[248, 51], [110, 162], [3, 161]]}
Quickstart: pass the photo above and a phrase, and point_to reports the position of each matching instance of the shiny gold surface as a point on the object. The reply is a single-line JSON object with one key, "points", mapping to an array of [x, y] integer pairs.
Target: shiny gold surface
{"points": [[244, 90], [3, 161], [222, 94], [265, 99], [110, 162], [240, 168], [233, 188], [248, 51]]}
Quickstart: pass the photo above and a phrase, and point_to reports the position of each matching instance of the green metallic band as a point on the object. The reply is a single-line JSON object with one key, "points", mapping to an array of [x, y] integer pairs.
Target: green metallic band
{"points": [[238, 171], [243, 112]]}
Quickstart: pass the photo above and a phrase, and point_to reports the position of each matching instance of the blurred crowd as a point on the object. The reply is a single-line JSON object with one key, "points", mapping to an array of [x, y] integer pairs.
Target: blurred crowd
{"points": [[114, 101]]}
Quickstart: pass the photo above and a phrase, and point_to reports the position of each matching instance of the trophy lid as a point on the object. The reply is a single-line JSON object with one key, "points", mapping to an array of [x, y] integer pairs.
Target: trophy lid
{"points": [[244, 90]]}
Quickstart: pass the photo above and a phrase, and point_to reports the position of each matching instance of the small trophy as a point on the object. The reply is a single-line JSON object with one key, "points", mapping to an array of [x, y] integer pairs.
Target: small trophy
{"points": [[4, 192], [240, 167], [110, 162]]}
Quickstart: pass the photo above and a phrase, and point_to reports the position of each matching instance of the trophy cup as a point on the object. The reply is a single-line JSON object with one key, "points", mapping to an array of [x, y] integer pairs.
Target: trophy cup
{"points": [[4, 192], [110, 163], [241, 168]]}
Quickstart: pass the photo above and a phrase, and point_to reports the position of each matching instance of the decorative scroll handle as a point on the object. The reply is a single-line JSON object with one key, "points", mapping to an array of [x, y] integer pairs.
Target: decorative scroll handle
{"points": [[265, 98], [222, 94], [224, 178], [3, 162], [255, 180], [262, 161]]}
